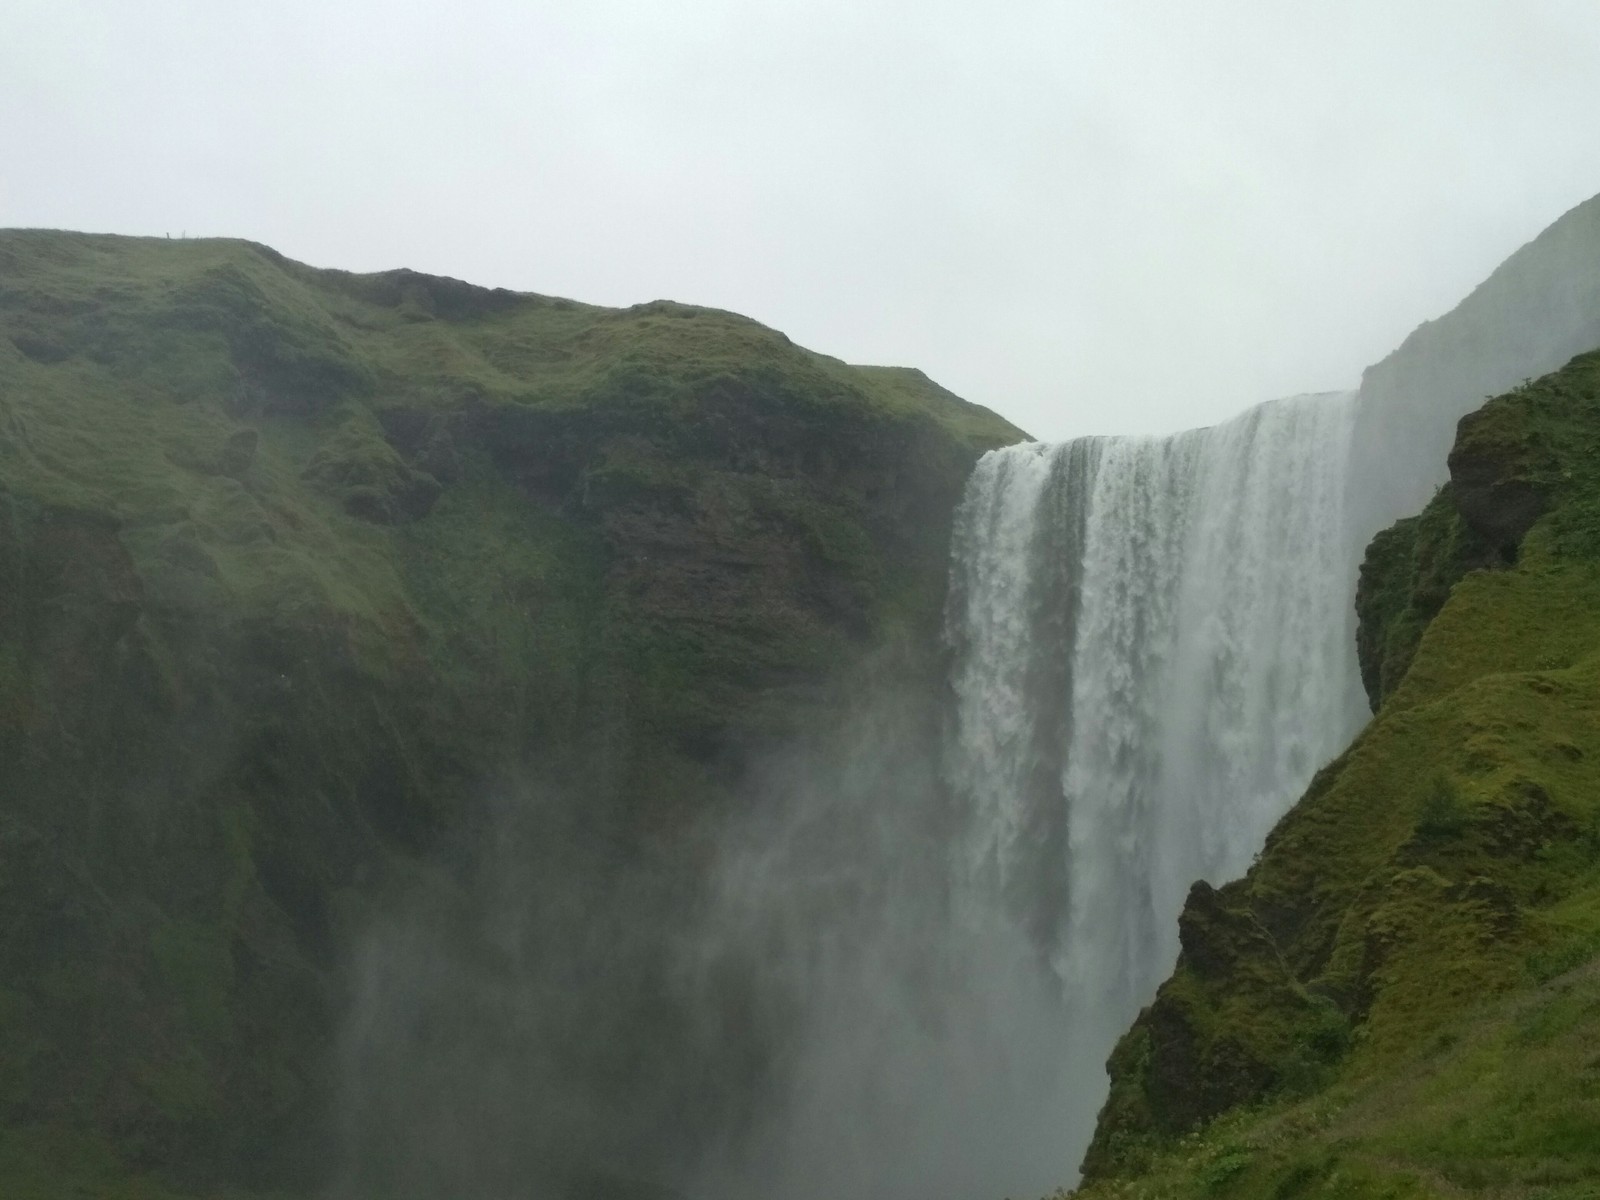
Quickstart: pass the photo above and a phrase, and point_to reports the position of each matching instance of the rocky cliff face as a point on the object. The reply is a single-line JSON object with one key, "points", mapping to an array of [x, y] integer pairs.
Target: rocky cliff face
{"points": [[1400, 996], [302, 574], [1536, 311]]}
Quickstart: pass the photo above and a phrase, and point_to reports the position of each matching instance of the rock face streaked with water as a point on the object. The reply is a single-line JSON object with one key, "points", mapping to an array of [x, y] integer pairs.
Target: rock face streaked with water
{"points": [[1153, 655]]}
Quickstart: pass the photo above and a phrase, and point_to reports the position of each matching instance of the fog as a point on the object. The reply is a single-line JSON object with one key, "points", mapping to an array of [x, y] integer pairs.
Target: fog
{"points": [[893, 961], [814, 1004], [513, 1028], [1101, 216], [1118, 216], [926, 1053]]}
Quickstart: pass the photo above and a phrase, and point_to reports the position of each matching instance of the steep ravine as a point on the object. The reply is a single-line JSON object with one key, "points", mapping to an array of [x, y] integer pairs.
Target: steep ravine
{"points": [[1401, 997], [396, 674]]}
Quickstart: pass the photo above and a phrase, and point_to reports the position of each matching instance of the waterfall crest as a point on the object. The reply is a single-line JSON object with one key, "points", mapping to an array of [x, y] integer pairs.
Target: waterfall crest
{"points": [[1153, 653]]}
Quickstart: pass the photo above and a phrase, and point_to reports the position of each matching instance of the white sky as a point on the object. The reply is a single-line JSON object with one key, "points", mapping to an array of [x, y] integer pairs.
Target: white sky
{"points": [[1091, 215]]}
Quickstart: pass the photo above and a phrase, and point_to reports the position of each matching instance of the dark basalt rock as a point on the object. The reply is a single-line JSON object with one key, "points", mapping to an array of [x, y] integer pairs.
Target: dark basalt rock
{"points": [[1215, 938], [1180, 1066], [1492, 491]]}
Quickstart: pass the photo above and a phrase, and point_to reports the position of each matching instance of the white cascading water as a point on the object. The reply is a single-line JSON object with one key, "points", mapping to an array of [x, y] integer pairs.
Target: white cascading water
{"points": [[1154, 652]]}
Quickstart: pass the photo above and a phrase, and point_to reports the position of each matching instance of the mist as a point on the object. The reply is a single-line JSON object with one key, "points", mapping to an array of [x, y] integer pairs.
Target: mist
{"points": [[891, 957], [820, 1005], [513, 1028], [924, 1050], [893, 963], [887, 953]]}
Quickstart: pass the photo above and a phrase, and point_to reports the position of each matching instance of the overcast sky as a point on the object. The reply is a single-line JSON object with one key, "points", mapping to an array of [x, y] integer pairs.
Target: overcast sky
{"points": [[1091, 215]]}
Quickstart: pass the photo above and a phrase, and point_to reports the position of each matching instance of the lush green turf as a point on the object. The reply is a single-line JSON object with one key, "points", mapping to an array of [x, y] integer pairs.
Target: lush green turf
{"points": [[299, 570], [1503, 1101], [1410, 1004]]}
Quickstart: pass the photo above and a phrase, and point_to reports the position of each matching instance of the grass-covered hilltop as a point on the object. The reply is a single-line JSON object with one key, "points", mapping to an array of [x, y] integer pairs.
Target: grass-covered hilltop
{"points": [[1402, 997], [303, 573]]}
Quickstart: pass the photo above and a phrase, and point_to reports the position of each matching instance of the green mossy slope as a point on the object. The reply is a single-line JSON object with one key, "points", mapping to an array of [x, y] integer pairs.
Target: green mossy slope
{"points": [[297, 567], [1402, 997]]}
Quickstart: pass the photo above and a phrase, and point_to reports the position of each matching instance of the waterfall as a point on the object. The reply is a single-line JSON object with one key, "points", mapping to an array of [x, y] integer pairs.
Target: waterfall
{"points": [[1153, 649], [907, 971], [1153, 653]]}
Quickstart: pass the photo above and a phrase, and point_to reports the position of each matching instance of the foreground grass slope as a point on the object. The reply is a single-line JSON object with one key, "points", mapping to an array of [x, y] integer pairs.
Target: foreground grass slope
{"points": [[1402, 997], [301, 570]]}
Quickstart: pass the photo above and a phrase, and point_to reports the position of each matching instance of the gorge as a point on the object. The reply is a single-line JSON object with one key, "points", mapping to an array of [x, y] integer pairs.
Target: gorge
{"points": [[1154, 655], [617, 751], [1154, 648]]}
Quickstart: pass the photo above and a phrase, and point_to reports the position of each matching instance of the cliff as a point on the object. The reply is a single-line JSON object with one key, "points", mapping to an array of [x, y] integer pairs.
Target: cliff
{"points": [[1536, 311], [304, 575], [1401, 996]]}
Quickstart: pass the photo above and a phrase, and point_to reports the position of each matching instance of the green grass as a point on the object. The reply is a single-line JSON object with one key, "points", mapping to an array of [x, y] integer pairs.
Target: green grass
{"points": [[97, 298], [1439, 885], [40, 1163], [299, 569], [1504, 1101]]}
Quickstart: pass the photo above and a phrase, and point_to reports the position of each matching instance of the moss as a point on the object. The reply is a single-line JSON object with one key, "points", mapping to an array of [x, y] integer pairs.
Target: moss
{"points": [[300, 571], [25, 1051], [1436, 890], [14, 691], [1505, 1105], [1230, 1026], [1406, 577], [1443, 814], [197, 971], [39, 1163], [361, 470]]}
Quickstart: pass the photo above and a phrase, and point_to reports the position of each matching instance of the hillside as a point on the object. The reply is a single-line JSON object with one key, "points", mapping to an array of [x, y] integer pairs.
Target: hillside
{"points": [[1402, 996], [1534, 312], [307, 578]]}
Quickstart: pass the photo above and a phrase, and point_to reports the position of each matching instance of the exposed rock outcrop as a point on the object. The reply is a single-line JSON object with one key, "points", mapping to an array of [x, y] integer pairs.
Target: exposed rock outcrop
{"points": [[1438, 864], [302, 573]]}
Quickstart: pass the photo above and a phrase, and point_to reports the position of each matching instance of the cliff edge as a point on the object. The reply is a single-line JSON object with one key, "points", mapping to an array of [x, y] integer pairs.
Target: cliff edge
{"points": [[304, 575], [1402, 996]]}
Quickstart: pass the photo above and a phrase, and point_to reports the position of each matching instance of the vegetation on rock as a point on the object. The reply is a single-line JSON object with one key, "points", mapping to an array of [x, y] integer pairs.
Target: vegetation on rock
{"points": [[1402, 997], [302, 573], [299, 569]]}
